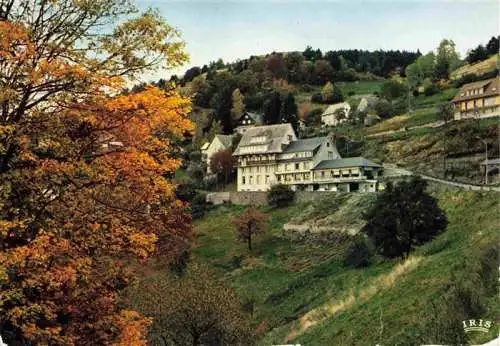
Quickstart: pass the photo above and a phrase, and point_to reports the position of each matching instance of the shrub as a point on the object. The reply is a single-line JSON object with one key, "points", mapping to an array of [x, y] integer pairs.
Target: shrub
{"points": [[313, 118], [316, 98], [431, 90], [384, 109], [359, 254], [280, 196], [392, 89]]}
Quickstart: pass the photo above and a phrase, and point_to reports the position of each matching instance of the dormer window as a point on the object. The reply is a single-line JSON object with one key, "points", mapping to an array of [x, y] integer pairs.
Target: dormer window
{"points": [[259, 139]]}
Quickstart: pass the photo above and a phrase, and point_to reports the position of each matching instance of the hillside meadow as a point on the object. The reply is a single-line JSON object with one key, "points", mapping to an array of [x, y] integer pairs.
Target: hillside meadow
{"points": [[303, 293]]}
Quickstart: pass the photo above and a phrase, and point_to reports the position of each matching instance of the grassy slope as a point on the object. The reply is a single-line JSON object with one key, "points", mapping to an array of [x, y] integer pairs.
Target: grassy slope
{"points": [[289, 278]]}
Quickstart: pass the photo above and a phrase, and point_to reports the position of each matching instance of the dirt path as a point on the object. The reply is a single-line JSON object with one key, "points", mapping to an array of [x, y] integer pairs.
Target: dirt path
{"points": [[429, 125]]}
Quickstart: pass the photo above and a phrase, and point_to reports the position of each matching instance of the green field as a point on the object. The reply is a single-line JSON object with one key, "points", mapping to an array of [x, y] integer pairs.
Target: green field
{"points": [[290, 277], [360, 87]]}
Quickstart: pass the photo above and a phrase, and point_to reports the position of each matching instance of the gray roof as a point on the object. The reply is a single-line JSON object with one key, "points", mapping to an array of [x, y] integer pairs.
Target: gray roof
{"points": [[274, 137], [345, 162], [304, 145], [332, 108], [226, 140]]}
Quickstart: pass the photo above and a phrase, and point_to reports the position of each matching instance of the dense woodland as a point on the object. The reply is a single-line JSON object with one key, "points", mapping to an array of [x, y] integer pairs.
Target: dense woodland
{"points": [[269, 84]]}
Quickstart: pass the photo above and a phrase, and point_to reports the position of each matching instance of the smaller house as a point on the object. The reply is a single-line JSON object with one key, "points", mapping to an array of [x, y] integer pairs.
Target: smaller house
{"points": [[478, 100], [336, 114], [246, 121], [363, 105], [347, 175], [220, 142]]}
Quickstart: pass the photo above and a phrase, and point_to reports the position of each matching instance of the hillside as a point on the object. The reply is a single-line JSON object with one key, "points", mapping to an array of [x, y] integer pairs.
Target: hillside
{"points": [[479, 68], [303, 293]]}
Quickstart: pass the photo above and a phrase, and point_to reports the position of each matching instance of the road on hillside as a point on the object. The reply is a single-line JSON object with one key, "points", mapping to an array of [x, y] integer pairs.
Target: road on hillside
{"points": [[391, 170], [429, 125]]}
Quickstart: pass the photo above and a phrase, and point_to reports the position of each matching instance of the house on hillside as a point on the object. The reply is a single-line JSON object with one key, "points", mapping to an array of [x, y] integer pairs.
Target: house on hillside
{"points": [[363, 105], [268, 155], [246, 121], [347, 175], [336, 114], [220, 142], [478, 100]]}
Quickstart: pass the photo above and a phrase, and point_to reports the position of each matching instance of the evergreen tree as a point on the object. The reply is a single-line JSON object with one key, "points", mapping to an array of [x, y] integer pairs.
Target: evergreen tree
{"points": [[288, 112], [272, 107], [493, 45]]}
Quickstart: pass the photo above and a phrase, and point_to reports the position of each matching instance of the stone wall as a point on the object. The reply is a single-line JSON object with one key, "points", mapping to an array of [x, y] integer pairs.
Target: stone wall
{"points": [[259, 197]]}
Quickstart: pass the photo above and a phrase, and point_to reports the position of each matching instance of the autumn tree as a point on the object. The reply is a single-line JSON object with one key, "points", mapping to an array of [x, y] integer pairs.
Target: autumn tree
{"points": [[250, 223], [304, 110], [327, 92], [194, 309], [238, 104], [222, 164], [276, 65], [324, 71], [83, 185]]}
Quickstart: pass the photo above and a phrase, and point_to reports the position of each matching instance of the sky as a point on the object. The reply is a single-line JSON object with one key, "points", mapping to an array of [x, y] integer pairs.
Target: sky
{"points": [[234, 30]]}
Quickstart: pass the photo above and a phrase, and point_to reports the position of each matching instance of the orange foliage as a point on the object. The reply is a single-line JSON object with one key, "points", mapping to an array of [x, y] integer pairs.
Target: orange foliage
{"points": [[84, 187]]}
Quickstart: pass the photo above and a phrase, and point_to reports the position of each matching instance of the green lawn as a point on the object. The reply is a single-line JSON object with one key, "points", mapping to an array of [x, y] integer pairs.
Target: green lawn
{"points": [[422, 116], [436, 99], [289, 277], [360, 87]]}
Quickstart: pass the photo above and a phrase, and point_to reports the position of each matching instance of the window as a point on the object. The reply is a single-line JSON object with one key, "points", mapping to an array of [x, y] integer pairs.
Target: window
{"points": [[243, 180], [290, 138], [322, 174], [250, 180], [267, 179], [258, 179], [297, 166], [327, 144]]}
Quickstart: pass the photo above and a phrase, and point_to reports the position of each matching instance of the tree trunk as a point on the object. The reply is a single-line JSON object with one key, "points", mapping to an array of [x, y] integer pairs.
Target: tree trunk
{"points": [[249, 239]]}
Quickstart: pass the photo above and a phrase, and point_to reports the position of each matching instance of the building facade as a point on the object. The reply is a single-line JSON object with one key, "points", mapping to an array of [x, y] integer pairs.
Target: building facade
{"points": [[332, 115], [268, 155], [478, 100]]}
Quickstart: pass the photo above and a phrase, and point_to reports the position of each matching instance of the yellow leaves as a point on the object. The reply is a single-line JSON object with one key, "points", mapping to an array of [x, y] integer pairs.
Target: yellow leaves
{"points": [[142, 244], [133, 329], [14, 41]]}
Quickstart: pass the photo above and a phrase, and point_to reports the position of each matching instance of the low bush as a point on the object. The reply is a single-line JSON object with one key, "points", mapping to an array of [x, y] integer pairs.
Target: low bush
{"points": [[359, 254], [431, 90], [280, 196]]}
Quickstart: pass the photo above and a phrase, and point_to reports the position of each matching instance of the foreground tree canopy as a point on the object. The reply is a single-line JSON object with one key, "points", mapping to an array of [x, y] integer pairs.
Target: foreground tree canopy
{"points": [[83, 187]]}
